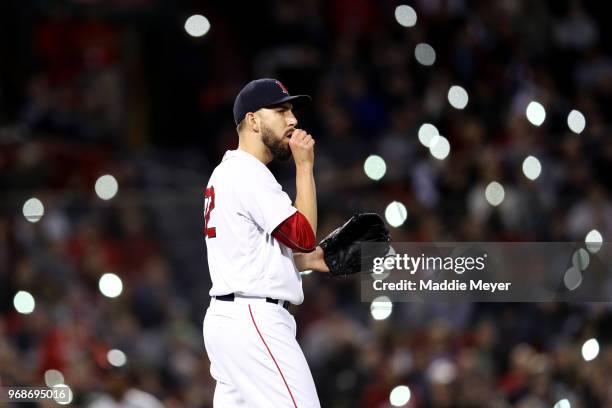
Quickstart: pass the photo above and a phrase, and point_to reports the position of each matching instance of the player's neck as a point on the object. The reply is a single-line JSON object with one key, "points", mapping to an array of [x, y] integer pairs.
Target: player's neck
{"points": [[259, 150]]}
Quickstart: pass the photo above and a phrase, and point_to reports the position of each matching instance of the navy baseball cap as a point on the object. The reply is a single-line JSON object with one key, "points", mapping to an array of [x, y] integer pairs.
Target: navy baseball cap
{"points": [[264, 93]]}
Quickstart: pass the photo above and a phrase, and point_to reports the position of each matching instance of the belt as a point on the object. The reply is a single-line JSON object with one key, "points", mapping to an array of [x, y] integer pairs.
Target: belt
{"points": [[231, 297]]}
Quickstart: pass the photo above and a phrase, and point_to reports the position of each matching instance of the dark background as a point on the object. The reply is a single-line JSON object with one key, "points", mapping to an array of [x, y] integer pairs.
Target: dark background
{"points": [[95, 87]]}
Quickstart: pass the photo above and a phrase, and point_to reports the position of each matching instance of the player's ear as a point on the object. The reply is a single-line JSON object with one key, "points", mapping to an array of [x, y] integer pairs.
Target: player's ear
{"points": [[252, 121]]}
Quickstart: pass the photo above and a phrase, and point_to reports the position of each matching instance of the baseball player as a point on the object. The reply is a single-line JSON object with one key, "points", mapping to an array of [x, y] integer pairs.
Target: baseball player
{"points": [[257, 242]]}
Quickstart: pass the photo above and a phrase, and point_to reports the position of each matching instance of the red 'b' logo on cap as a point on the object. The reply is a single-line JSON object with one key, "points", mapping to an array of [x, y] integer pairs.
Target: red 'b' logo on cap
{"points": [[282, 87]]}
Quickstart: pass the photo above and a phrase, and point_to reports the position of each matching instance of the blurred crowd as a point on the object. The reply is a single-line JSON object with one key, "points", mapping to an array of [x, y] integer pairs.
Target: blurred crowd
{"points": [[90, 104]]}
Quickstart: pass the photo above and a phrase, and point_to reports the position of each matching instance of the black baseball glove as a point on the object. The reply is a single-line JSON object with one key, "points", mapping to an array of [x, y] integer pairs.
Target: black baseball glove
{"points": [[342, 248]]}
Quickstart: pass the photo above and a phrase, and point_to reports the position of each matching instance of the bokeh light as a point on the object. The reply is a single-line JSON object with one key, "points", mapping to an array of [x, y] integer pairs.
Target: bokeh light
{"points": [[197, 25], [24, 302], [375, 167], [593, 241], [439, 147], [33, 210], [564, 403], [110, 285], [581, 259], [396, 214], [457, 97], [381, 308], [425, 54], [427, 132], [576, 121], [572, 278], [405, 15], [494, 193], [116, 358], [590, 349], [532, 168], [441, 371], [106, 187], [536, 114], [399, 396], [60, 398], [53, 377]]}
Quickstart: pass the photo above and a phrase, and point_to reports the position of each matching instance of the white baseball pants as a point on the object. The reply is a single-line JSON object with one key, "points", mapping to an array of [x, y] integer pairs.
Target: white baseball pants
{"points": [[255, 357]]}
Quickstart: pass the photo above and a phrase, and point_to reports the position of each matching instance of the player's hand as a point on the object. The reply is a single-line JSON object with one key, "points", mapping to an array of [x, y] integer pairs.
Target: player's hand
{"points": [[302, 147], [319, 260]]}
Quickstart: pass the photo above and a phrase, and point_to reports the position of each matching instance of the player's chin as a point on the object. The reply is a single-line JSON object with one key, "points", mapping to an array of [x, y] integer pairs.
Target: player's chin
{"points": [[280, 151]]}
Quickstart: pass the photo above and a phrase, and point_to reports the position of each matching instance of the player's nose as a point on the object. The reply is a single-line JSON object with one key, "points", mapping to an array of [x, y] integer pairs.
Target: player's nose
{"points": [[291, 119]]}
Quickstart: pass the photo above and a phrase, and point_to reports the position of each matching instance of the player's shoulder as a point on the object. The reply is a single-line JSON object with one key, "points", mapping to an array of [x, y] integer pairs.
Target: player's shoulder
{"points": [[243, 165], [241, 168]]}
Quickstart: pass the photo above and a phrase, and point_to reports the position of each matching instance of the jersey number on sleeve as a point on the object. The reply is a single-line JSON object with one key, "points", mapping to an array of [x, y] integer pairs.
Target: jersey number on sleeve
{"points": [[209, 205]]}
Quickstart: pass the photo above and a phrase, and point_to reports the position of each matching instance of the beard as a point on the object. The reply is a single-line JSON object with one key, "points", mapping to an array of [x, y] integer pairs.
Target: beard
{"points": [[279, 149]]}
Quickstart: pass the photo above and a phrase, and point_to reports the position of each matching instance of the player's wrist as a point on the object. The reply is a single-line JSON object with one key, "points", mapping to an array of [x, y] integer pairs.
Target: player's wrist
{"points": [[314, 260], [304, 166], [319, 260]]}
